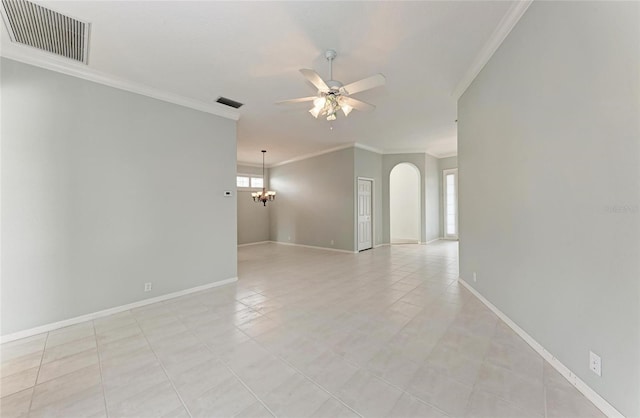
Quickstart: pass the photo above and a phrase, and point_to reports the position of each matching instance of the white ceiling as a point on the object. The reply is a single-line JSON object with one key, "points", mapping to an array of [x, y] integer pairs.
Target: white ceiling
{"points": [[251, 52]]}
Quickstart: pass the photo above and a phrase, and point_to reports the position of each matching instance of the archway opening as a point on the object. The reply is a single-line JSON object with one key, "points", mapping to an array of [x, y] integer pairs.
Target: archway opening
{"points": [[404, 204]]}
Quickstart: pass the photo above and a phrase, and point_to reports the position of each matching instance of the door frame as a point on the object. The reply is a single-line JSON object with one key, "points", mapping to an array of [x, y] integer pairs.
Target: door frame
{"points": [[355, 213], [445, 172]]}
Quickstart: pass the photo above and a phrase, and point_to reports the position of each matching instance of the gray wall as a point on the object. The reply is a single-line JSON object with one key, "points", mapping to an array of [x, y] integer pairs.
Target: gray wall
{"points": [[297, 215], [104, 190], [315, 202], [549, 160], [444, 164], [369, 164], [432, 198], [388, 162], [253, 217]]}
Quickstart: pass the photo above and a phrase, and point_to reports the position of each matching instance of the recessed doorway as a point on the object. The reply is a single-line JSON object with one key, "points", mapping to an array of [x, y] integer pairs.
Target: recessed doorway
{"points": [[404, 204]]}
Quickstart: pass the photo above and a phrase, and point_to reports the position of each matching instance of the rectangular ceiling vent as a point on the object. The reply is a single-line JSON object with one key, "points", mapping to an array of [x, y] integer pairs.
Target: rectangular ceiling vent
{"points": [[42, 28], [229, 102]]}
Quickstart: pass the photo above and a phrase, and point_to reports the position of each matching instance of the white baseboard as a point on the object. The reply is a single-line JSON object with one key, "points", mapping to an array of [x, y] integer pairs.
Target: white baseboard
{"points": [[308, 246], [314, 247], [106, 312], [433, 240], [384, 244], [589, 393], [254, 243], [405, 241]]}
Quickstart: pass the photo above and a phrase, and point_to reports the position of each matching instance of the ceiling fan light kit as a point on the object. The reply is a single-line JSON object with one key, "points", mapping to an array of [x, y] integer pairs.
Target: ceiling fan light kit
{"points": [[332, 96]]}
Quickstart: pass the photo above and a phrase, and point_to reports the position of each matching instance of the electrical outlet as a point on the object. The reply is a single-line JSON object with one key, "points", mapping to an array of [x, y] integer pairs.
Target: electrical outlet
{"points": [[147, 287], [475, 278], [289, 238], [595, 363], [331, 242]]}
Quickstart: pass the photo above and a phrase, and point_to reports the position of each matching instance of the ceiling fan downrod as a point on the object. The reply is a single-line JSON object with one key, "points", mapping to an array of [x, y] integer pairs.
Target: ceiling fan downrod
{"points": [[330, 55]]}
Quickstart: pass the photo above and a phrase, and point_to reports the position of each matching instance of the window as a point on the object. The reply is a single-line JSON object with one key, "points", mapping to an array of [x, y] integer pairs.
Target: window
{"points": [[256, 182], [249, 181], [450, 203]]}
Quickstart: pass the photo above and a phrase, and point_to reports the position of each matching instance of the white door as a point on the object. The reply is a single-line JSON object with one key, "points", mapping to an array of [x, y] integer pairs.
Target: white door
{"points": [[365, 226], [450, 191]]}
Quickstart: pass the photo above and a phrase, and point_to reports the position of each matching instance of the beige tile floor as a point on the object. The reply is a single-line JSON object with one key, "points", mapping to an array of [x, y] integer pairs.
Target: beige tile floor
{"points": [[304, 333]]}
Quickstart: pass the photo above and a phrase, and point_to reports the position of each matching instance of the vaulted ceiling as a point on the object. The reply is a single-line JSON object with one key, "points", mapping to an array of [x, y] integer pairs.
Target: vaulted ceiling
{"points": [[251, 52]]}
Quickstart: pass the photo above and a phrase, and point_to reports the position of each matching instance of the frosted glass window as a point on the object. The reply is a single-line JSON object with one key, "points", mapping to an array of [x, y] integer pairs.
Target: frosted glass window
{"points": [[257, 182], [451, 204], [242, 181]]}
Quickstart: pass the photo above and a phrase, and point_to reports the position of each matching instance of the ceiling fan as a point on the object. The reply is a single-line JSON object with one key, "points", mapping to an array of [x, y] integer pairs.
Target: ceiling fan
{"points": [[333, 96]]}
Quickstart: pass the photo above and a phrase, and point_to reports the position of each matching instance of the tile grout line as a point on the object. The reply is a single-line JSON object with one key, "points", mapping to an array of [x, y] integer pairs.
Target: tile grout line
{"points": [[513, 404], [255, 395], [544, 388], [104, 394], [38, 374], [351, 363], [225, 365], [438, 295], [475, 384], [404, 391], [164, 370], [303, 373]]}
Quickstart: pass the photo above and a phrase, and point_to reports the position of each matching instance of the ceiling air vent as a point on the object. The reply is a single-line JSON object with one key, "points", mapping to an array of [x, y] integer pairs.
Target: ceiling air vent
{"points": [[229, 102], [42, 28]]}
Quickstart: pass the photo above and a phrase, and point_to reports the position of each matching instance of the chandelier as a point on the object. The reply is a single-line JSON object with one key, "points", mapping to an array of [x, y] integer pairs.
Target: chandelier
{"points": [[264, 195]]}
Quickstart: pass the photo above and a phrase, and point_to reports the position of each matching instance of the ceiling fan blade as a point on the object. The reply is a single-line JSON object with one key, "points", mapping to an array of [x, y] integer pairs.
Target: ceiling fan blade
{"points": [[300, 100], [357, 104], [364, 84], [315, 79]]}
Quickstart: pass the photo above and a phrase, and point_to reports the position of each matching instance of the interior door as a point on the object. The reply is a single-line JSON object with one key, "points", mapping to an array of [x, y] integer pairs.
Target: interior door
{"points": [[365, 224]]}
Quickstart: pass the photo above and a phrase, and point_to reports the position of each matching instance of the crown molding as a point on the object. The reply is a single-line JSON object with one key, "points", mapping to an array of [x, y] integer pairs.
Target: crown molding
{"points": [[507, 23], [367, 148], [313, 154], [420, 151], [327, 151], [405, 151], [445, 155], [255, 165], [352, 145], [432, 155], [86, 73]]}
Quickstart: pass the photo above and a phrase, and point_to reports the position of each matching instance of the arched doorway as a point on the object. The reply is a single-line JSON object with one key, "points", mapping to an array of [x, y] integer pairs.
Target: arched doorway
{"points": [[404, 204]]}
